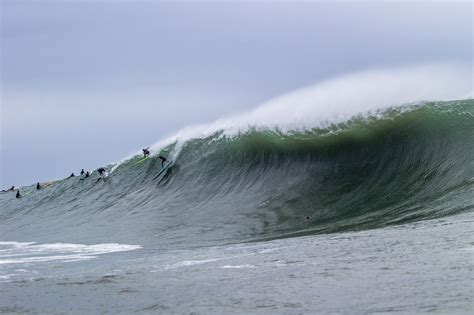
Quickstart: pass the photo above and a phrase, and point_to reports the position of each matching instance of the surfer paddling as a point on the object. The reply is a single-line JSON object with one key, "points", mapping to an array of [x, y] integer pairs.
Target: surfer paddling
{"points": [[10, 189]]}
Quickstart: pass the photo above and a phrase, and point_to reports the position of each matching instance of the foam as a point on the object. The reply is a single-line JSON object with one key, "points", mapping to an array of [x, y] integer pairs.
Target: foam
{"points": [[31, 252], [188, 263], [246, 266]]}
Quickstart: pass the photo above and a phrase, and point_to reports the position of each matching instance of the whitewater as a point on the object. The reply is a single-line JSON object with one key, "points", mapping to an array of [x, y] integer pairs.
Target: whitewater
{"points": [[355, 195]]}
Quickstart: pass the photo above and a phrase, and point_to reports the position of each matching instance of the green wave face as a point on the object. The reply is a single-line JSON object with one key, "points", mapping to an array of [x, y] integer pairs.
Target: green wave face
{"points": [[401, 165]]}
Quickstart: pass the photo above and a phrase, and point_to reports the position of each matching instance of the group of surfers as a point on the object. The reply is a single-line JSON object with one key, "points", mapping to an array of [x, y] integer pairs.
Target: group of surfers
{"points": [[101, 170]]}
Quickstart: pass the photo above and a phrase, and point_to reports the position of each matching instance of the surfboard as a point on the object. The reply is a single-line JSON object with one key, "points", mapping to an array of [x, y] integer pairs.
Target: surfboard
{"points": [[47, 184], [164, 168], [103, 177], [139, 161]]}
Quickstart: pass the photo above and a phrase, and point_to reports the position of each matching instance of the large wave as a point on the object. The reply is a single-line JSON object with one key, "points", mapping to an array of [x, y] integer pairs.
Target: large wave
{"points": [[340, 99], [333, 167]]}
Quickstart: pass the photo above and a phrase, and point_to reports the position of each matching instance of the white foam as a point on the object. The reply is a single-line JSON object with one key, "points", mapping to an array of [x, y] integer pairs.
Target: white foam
{"points": [[188, 263], [337, 100], [237, 266], [16, 244], [18, 252]]}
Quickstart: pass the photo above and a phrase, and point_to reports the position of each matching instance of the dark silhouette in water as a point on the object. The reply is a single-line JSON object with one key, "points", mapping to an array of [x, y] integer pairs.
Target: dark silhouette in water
{"points": [[38, 186], [87, 175], [102, 173], [163, 160], [18, 195], [10, 189]]}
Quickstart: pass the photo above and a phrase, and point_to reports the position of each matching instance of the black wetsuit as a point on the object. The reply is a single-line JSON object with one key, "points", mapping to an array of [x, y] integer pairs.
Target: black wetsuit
{"points": [[163, 160], [38, 186], [18, 195], [82, 172], [102, 173], [87, 175], [146, 152]]}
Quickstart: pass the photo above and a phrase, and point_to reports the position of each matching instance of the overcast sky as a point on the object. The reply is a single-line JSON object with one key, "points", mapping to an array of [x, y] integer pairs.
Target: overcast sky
{"points": [[85, 83]]}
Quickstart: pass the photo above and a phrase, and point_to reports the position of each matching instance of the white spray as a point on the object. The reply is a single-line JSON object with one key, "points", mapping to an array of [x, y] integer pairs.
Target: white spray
{"points": [[337, 100]]}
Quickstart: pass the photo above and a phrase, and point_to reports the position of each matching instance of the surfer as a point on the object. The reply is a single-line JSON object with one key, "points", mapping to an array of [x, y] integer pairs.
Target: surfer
{"points": [[18, 195], [72, 175], [102, 173], [82, 172], [146, 152], [10, 189], [87, 175], [38, 186], [163, 160]]}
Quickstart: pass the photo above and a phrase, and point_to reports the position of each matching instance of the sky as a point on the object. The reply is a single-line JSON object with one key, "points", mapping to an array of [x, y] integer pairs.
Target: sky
{"points": [[85, 83]]}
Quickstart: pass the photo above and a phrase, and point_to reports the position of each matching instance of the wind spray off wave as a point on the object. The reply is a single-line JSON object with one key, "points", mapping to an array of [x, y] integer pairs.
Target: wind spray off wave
{"points": [[340, 99]]}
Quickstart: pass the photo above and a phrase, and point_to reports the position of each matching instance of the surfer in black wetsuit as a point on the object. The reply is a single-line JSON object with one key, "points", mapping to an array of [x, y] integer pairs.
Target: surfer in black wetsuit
{"points": [[87, 175], [82, 172], [38, 186], [18, 195], [10, 189], [102, 173], [163, 160], [72, 175], [146, 152]]}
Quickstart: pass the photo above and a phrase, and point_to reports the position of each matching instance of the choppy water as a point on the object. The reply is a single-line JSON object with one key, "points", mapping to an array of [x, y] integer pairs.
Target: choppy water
{"points": [[423, 267]]}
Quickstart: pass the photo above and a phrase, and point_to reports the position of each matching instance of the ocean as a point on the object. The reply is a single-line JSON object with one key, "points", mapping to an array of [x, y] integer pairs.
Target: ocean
{"points": [[367, 212]]}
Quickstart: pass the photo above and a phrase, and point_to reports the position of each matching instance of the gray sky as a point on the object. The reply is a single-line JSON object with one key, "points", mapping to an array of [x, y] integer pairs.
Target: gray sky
{"points": [[85, 83]]}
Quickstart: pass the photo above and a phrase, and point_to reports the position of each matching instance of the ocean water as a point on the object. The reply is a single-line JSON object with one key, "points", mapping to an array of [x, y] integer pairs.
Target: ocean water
{"points": [[423, 267], [371, 212]]}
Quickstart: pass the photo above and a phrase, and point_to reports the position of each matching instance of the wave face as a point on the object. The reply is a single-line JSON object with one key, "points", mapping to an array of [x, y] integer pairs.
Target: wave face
{"points": [[399, 165]]}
